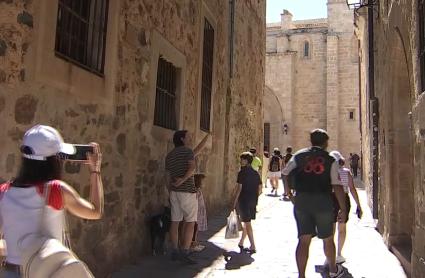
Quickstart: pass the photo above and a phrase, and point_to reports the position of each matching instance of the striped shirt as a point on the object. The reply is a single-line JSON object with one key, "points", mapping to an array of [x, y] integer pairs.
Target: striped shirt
{"points": [[177, 164], [344, 176]]}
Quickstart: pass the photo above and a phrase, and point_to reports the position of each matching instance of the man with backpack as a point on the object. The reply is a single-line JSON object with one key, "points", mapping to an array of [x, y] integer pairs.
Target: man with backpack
{"points": [[315, 174], [275, 166]]}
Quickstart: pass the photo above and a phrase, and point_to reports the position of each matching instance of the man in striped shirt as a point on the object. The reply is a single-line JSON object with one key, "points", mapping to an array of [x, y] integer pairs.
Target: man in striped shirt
{"points": [[180, 165]]}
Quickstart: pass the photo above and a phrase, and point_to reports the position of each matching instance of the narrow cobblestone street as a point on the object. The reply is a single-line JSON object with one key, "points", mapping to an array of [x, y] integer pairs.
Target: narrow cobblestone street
{"points": [[275, 234]]}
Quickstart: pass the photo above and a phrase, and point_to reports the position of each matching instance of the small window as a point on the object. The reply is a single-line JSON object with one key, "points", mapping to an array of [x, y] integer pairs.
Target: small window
{"points": [[207, 75], [421, 18], [306, 49], [81, 33], [267, 136], [351, 115], [165, 101]]}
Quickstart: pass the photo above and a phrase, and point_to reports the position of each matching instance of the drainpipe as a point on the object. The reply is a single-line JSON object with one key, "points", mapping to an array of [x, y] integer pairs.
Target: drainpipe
{"points": [[374, 117]]}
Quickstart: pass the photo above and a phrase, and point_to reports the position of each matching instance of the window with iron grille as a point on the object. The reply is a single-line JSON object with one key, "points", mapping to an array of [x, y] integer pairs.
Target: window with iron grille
{"points": [[165, 100], [306, 49], [81, 33], [421, 17], [267, 136], [207, 75]]}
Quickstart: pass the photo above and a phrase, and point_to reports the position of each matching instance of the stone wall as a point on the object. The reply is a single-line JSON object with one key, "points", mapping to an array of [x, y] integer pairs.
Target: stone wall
{"points": [[401, 124], [318, 90], [116, 110]]}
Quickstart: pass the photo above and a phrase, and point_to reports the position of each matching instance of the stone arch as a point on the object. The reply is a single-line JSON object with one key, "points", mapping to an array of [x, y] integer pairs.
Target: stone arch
{"points": [[400, 213], [274, 115]]}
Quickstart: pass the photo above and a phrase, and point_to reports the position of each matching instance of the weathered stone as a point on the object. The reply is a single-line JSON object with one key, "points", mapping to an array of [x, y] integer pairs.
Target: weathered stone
{"points": [[3, 47], [72, 167], [71, 113], [112, 197], [121, 143], [25, 109], [119, 181], [2, 103], [16, 134], [137, 197], [25, 18], [22, 75], [153, 166], [10, 163], [3, 76]]}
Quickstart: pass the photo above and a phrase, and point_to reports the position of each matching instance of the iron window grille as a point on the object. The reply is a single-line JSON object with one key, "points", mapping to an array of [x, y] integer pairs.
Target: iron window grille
{"points": [[306, 49], [165, 100], [81, 33], [207, 75], [421, 17], [267, 136]]}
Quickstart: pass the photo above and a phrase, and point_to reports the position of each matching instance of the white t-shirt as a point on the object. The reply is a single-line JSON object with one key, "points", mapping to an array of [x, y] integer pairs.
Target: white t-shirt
{"points": [[21, 211], [344, 174]]}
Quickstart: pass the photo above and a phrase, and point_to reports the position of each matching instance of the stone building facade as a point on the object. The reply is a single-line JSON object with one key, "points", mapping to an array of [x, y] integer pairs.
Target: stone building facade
{"points": [[209, 55], [392, 77], [312, 80]]}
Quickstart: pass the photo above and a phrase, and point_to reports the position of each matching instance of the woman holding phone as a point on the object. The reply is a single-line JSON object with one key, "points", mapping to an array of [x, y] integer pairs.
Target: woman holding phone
{"points": [[24, 201]]}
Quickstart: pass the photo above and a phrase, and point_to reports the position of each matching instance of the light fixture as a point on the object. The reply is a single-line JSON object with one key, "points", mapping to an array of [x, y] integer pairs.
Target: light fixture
{"points": [[357, 4], [285, 129]]}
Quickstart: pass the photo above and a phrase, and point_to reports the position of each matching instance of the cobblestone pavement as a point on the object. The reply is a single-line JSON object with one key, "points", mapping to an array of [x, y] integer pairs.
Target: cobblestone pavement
{"points": [[276, 239]]}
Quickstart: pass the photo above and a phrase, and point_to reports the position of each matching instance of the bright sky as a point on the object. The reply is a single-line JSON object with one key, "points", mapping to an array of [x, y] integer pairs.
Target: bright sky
{"points": [[301, 9]]}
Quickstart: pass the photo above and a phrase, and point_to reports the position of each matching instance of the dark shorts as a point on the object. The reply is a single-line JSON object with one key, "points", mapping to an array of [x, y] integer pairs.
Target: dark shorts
{"points": [[337, 208], [314, 214], [247, 211]]}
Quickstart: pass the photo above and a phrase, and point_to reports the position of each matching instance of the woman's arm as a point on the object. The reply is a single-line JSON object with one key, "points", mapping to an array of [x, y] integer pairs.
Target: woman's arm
{"points": [[236, 193], [77, 205], [353, 192]]}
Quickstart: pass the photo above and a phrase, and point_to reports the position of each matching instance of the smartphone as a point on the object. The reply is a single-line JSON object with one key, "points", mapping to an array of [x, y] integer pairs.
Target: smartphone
{"points": [[80, 152]]}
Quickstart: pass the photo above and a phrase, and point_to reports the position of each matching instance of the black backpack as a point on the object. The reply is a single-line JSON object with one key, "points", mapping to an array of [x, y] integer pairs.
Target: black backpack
{"points": [[274, 164]]}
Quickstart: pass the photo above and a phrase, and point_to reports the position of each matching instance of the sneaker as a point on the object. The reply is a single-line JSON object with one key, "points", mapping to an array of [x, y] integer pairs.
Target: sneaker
{"points": [[339, 272], [197, 248], [184, 257], [340, 259]]}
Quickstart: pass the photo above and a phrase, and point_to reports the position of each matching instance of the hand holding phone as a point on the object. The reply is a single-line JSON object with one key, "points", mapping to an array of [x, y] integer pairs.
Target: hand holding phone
{"points": [[80, 152], [359, 212]]}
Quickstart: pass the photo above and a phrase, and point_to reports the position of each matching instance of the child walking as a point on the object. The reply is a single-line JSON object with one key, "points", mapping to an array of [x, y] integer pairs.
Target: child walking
{"points": [[248, 188]]}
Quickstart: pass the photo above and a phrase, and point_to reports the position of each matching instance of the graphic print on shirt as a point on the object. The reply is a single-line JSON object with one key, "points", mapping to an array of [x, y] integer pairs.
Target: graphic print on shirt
{"points": [[314, 164]]}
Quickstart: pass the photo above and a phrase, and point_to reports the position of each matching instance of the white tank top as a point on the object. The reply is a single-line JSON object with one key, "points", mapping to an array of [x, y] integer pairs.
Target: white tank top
{"points": [[21, 211], [344, 176]]}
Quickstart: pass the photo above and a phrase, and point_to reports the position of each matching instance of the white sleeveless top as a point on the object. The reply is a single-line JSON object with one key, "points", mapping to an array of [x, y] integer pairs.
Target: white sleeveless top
{"points": [[344, 176], [21, 211]]}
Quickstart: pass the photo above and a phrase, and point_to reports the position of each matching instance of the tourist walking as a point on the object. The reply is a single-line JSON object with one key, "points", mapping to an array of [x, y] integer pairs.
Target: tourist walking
{"points": [[245, 198], [180, 166], [38, 197], [256, 164], [286, 159], [265, 170], [354, 163], [315, 175], [348, 186], [275, 166]]}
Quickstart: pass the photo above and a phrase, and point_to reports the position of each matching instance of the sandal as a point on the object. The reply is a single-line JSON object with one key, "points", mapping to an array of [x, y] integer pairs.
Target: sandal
{"points": [[250, 251], [241, 248]]}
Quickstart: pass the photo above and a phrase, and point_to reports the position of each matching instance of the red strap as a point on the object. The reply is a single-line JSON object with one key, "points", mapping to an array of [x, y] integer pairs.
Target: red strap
{"points": [[54, 199], [3, 188]]}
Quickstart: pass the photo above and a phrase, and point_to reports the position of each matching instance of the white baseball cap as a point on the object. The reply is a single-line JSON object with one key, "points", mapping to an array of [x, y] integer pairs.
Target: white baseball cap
{"points": [[337, 155], [44, 141]]}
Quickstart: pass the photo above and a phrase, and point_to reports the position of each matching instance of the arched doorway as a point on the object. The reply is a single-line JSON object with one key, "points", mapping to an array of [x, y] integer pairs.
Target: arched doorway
{"points": [[274, 121]]}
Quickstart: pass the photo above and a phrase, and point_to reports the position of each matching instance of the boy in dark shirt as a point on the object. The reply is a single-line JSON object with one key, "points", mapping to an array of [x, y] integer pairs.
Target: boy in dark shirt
{"points": [[245, 199]]}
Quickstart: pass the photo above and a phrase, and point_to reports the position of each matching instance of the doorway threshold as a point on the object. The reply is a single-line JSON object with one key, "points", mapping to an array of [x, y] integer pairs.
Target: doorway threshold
{"points": [[403, 252]]}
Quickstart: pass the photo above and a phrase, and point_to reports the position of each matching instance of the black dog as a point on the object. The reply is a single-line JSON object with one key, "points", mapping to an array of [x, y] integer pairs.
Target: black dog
{"points": [[159, 226]]}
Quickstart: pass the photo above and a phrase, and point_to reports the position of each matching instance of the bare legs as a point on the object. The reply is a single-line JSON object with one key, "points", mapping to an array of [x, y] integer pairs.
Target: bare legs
{"points": [[186, 237], [342, 234], [275, 184], [303, 251], [248, 231], [301, 254]]}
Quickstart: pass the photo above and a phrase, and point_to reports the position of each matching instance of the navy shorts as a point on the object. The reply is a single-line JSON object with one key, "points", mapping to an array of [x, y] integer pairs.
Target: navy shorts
{"points": [[314, 214], [336, 207], [247, 211]]}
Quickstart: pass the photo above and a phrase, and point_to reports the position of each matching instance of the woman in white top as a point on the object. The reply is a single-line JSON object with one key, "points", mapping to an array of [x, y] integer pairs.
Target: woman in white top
{"points": [[22, 200], [348, 184]]}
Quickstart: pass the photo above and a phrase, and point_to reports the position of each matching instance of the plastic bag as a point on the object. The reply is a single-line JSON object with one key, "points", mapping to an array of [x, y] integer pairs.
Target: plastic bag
{"points": [[232, 229]]}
